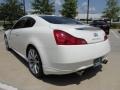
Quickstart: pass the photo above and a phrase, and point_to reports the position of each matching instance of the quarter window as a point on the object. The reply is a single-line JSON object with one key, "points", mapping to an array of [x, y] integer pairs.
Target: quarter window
{"points": [[30, 22], [24, 23], [20, 24]]}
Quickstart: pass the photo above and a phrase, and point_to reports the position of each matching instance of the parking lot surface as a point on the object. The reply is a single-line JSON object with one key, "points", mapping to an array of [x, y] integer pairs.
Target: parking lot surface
{"points": [[14, 72]]}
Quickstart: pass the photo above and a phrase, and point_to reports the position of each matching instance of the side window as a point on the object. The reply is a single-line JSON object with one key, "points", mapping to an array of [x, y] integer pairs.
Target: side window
{"points": [[30, 22], [20, 24]]}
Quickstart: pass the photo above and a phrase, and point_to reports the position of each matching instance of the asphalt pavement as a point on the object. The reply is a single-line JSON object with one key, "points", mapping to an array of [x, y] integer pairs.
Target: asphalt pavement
{"points": [[14, 73]]}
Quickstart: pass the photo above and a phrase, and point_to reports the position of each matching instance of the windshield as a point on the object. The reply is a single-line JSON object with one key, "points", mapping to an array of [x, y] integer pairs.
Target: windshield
{"points": [[60, 20]]}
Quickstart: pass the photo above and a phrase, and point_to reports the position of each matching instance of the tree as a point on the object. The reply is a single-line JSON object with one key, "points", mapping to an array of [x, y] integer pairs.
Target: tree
{"points": [[43, 6], [69, 8], [11, 10], [112, 10]]}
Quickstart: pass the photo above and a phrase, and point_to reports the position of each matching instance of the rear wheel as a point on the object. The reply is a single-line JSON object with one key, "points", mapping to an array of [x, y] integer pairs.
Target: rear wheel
{"points": [[34, 61]]}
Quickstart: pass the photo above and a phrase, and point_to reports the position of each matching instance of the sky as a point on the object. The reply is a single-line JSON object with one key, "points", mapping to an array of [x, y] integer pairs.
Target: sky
{"points": [[96, 6]]}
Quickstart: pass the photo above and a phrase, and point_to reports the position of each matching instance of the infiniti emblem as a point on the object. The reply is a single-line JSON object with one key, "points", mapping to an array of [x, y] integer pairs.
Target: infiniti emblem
{"points": [[95, 34]]}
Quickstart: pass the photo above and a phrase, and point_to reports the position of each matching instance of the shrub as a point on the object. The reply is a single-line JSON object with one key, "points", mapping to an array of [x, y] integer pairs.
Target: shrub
{"points": [[7, 26]]}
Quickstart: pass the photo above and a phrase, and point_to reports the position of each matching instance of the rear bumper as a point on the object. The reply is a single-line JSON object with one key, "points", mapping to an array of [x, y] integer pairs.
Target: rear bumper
{"points": [[69, 68], [68, 59]]}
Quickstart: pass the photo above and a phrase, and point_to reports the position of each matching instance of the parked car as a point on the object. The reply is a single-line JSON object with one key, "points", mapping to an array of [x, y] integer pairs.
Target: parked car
{"points": [[101, 24], [57, 45]]}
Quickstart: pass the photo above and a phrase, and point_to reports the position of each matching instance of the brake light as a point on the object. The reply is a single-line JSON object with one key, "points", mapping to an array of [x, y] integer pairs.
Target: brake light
{"points": [[63, 38]]}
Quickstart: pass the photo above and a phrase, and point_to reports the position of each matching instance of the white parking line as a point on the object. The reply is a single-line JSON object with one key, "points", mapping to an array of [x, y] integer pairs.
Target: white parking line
{"points": [[115, 34], [7, 87]]}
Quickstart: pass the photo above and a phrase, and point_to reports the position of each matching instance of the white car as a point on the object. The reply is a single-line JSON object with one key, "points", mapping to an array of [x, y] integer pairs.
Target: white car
{"points": [[57, 45]]}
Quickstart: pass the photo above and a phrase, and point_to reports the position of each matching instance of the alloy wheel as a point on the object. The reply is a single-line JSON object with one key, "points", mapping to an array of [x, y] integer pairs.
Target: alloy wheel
{"points": [[34, 61]]}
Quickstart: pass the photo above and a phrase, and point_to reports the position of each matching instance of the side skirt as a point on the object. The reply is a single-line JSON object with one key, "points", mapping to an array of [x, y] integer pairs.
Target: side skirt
{"points": [[24, 57]]}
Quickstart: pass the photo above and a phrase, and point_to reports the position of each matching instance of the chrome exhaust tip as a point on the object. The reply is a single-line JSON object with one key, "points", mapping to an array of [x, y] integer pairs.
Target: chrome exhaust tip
{"points": [[105, 61], [80, 73]]}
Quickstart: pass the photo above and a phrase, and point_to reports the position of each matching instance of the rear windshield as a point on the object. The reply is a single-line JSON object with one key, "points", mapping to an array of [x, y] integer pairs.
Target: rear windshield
{"points": [[60, 20]]}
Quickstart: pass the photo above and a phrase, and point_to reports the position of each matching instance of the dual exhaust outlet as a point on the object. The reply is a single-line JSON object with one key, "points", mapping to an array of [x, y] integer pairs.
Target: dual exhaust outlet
{"points": [[105, 61]]}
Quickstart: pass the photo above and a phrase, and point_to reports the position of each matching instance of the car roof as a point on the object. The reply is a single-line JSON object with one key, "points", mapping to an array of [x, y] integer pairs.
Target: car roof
{"points": [[34, 15]]}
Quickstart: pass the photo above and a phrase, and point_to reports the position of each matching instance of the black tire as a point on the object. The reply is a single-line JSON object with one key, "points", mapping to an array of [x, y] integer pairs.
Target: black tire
{"points": [[6, 43], [34, 62]]}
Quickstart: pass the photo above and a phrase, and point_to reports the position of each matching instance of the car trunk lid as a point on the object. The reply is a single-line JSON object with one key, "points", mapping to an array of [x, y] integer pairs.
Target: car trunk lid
{"points": [[89, 33]]}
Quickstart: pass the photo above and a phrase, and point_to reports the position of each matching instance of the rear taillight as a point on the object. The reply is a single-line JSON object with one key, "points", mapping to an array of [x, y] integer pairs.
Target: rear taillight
{"points": [[63, 38]]}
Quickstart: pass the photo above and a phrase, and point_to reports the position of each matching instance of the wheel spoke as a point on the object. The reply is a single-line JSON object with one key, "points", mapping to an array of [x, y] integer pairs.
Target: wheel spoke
{"points": [[35, 56], [36, 68], [31, 53], [29, 56], [33, 69], [33, 61]]}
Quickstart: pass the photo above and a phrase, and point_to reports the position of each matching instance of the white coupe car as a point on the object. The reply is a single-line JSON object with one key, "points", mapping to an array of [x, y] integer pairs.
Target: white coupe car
{"points": [[57, 45]]}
